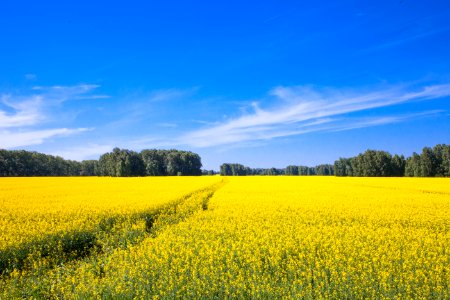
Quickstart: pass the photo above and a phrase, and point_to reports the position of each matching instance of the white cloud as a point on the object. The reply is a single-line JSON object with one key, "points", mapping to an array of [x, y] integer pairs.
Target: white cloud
{"points": [[10, 139], [139, 107], [409, 38], [28, 110], [382, 120], [171, 94], [58, 93], [300, 110], [25, 112], [92, 97], [90, 151], [21, 114]]}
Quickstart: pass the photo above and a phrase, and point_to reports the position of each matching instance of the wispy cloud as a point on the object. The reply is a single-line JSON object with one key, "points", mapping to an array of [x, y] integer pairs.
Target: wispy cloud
{"points": [[300, 110], [34, 137], [140, 106], [59, 93], [89, 151], [381, 120], [22, 116], [31, 108], [25, 112], [407, 39], [171, 94]]}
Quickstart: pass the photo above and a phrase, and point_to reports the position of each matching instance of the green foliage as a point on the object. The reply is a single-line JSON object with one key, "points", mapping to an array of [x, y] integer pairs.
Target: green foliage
{"points": [[119, 162], [122, 162], [54, 249], [372, 163], [209, 172], [88, 168], [171, 162], [324, 170], [431, 162], [154, 162], [412, 166], [117, 231], [291, 170], [228, 169], [398, 164], [26, 163], [234, 170]]}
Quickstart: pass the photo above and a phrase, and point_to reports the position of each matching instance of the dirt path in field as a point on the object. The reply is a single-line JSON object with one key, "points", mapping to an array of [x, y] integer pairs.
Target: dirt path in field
{"points": [[109, 234]]}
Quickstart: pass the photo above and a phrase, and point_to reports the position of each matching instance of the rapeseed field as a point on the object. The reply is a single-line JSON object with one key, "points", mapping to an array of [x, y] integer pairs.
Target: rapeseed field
{"points": [[233, 237], [31, 207]]}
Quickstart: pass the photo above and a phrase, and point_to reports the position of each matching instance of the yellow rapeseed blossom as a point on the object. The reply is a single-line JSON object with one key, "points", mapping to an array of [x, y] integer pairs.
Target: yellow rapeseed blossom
{"points": [[32, 207], [270, 237]]}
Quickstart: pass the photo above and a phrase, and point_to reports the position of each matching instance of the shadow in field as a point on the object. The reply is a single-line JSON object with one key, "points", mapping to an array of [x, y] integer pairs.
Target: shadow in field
{"points": [[53, 249], [110, 233]]}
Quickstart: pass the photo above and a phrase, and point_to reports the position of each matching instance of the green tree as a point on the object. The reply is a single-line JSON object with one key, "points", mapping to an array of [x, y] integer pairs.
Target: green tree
{"points": [[398, 165], [428, 162], [121, 162], [413, 166], [291, 170], [154, 162]]}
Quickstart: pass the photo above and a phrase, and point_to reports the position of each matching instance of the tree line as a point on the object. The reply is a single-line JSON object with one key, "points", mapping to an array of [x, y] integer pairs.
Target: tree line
{"points": [[119, 162], [432, 162], [234, 169], [25, 163]]}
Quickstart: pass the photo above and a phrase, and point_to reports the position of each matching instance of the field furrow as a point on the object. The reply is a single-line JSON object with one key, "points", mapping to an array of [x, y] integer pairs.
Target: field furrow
{"points": [[269, 237]]}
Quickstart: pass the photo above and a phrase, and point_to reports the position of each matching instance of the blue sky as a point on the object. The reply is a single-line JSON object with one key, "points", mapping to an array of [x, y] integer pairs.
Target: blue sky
{"points": [[263, 83]]}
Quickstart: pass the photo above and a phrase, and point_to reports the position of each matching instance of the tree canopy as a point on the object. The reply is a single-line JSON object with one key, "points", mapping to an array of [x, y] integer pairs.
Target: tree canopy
{"points": [[119, 162], [234, 169], [431, 162]]}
